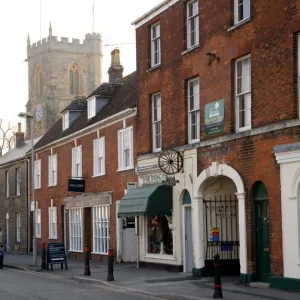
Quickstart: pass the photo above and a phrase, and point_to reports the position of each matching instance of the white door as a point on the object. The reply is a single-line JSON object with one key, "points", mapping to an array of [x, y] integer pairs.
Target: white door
{"points": [[7, 232], [188, 239], [126, 238], [129, 240]]}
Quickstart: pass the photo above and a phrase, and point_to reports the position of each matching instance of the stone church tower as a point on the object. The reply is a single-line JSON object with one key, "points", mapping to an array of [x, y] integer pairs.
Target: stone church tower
{"points": [[58, 72]]}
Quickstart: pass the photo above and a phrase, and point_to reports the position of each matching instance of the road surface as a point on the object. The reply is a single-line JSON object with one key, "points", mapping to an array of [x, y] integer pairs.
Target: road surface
{"points": [[19, 285]]}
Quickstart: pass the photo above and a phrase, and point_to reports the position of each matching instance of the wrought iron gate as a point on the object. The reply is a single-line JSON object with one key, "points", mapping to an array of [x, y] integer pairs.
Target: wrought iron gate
{"points": [[221, 234]]}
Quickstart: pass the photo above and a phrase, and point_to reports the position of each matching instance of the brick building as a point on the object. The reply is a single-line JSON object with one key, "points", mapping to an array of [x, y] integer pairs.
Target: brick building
{"points": [[92, 141], [14, 196], [218, 83]]}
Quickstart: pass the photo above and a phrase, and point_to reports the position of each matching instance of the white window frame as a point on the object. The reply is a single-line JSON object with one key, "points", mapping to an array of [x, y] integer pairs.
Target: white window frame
{"points": [[121, 149], [192, 20], [91, 107], [246, 10], [52, 213], [156, 122], [52, 170], [18, 227], [38, 223], [37, 174], [76, 229], [244, 92], [7, 184], [99, 157], [155, 42], [298, 73], [101, 229], [18, 181], [77, 162], [194, 110], [66, 120]]}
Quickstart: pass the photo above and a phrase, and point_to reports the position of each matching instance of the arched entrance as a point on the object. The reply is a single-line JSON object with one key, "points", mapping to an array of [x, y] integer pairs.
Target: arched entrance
{"points": [[262, 231], [221, 188], [187, 232]]}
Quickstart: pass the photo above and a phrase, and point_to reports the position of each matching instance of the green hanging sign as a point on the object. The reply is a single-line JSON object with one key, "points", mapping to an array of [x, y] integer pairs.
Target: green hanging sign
{"points": [[214, 117]]}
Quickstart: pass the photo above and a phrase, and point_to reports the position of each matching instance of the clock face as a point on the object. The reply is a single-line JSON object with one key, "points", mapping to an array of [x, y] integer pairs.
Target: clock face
{"points": [[39, 113]]}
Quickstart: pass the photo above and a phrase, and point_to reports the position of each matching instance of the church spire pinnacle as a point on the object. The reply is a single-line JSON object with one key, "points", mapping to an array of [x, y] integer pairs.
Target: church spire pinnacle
{"points": [[50, 29]]}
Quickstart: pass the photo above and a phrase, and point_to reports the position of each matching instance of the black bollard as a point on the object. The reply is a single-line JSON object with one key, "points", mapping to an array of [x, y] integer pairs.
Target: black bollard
{"points": [[43, 266], [87, 271], [110, 274], [218, 286]]}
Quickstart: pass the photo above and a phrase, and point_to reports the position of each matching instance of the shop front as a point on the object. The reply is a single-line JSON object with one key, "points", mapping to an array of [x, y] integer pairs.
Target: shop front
{"points": [[163, 213], [87, 221]]}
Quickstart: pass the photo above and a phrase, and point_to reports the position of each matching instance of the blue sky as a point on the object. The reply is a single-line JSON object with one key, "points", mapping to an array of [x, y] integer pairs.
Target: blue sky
{"points": [[69, 18]]}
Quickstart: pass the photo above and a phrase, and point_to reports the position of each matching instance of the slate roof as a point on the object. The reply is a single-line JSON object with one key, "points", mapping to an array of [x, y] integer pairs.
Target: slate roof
{"points": [[17, 153], [123, 96], [76, 105]]}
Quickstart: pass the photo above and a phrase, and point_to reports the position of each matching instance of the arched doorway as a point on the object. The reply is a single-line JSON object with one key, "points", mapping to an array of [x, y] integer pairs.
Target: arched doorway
{"points": [[207, 177], [188, 259], [262, 231]]}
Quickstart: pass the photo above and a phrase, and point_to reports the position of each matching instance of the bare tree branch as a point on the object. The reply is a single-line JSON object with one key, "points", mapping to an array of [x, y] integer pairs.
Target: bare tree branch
{"points": [[7, 136]]}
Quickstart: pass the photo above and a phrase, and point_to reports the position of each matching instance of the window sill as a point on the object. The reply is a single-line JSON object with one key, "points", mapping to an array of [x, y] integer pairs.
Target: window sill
{"points": [[49, 186], [160, 256], [38, 188], [153, 68], [127, 169], [243, 129], [190, 49], [194, 141], [100, 175], [238, 24], [75, 251], [99, 253], [52, 238], [39, 237]]}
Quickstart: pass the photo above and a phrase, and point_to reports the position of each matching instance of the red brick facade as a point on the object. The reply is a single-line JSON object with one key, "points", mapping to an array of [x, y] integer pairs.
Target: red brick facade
{"points": [[270, 38], [113, 181]]}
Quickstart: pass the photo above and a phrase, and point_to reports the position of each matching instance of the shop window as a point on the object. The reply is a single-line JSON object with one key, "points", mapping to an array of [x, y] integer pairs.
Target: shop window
{"points": [[160, 235], [75, 227], [101, 222]]}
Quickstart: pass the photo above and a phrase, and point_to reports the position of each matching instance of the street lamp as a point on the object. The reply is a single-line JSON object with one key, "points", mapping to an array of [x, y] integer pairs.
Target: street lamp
{"points": [[34, 247]]}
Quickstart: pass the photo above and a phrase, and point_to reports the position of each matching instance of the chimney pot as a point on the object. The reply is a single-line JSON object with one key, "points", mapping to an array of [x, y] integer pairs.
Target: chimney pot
{"points": [[19, 127]]}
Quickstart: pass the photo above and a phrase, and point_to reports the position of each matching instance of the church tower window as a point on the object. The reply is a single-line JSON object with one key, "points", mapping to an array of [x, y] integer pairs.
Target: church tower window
{"points": [[75, 80]]}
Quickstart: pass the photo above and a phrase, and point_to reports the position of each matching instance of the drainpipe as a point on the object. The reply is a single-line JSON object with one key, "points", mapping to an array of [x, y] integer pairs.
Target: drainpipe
{"points": [[138, 243], [28, 206], [65, 229]]}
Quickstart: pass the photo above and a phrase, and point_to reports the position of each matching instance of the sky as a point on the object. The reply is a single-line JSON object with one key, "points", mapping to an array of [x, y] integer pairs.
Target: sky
{"points": [[69, 18]]}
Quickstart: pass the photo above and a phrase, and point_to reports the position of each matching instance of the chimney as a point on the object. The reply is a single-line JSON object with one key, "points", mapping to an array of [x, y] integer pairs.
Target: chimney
{"points": [[115, 70], [19, 136]]}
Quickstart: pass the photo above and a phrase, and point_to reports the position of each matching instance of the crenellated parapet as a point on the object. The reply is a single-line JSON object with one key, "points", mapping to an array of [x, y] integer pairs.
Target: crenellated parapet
{"points": [[91, 43]]}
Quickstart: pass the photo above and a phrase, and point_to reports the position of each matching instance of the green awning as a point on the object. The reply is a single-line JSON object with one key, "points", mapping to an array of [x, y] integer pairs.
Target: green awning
{"points": [[148, 200]]}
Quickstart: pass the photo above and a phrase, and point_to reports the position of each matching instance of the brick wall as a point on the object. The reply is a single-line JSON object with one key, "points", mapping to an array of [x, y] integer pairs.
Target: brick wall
{"points": [[113, 181], [14, 204], [268, 37]]}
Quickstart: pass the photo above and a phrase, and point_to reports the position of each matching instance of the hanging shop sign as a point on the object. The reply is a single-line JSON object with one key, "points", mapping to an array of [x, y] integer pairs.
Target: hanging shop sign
{"points": [[214, 117], [76, 185]]}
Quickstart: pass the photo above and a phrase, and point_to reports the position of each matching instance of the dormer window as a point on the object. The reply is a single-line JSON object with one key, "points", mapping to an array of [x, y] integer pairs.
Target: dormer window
{"points": [[91, 105], [65, 120]]}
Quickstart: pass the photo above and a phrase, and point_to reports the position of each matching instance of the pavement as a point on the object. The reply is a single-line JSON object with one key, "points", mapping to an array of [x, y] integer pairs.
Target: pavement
{"points": [[160, 284]]}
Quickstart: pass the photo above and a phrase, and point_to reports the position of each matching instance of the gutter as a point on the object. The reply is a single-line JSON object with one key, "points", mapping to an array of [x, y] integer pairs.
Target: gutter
{"points": [[147, 14], [114, 117], [13, 161]]}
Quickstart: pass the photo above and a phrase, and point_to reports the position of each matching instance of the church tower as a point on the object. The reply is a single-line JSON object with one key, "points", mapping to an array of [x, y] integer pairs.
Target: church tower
{"points": [[60, 71]]}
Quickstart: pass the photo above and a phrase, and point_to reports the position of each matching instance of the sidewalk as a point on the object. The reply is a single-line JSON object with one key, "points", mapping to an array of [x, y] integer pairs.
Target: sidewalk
{"points": [[160, 283]]}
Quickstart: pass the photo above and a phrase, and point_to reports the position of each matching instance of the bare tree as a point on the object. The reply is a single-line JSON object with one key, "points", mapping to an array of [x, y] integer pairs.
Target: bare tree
{"points": [[7, 136]]}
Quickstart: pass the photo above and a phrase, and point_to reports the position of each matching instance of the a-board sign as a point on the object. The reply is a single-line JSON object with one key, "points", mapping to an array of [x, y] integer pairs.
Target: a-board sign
{"points": [[56, 254]]}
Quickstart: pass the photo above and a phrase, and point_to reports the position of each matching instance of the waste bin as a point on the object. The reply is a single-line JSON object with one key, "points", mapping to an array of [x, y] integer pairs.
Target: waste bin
{"points": [[1, 258]]}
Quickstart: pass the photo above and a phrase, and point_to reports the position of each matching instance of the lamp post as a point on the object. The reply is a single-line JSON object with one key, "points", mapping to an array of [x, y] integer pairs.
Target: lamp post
{"points": [[34, 247]]}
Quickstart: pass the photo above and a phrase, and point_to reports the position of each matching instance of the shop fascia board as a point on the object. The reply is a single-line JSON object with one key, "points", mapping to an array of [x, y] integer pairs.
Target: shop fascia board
{"points": [[123, 115]]}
